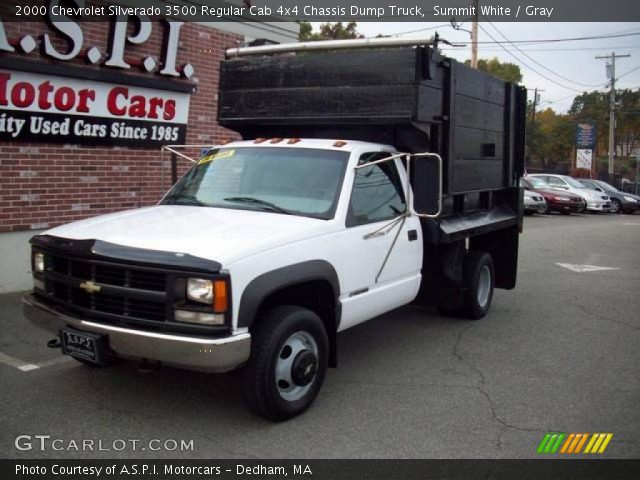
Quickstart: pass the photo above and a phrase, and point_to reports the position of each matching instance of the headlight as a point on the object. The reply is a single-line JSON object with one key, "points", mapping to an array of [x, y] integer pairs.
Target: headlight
{"points": [[200, 290], [38, 262], [630, 199]]}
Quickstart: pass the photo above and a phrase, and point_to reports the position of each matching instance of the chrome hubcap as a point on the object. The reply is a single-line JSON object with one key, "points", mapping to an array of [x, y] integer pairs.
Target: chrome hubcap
{"points": [[296, 366], [484, 286]]}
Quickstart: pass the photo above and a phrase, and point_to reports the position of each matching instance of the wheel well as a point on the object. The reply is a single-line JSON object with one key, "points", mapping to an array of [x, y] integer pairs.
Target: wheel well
{"points": [[315, 295]]}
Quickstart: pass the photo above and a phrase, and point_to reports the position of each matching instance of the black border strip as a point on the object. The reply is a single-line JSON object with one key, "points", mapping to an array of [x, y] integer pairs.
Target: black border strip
{"points": [[98, 75]]}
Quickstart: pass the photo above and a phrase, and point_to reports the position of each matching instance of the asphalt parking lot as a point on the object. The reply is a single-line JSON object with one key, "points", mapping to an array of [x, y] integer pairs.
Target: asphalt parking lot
{"points": [[560, 353]]}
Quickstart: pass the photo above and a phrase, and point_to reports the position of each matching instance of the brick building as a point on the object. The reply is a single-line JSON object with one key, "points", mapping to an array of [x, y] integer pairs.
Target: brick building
{"points": [[81, 134]]}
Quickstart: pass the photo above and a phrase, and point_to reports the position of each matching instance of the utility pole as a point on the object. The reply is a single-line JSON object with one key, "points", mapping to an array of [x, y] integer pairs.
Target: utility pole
{"points": [[611, 72], [536, 99], [474, 35]]}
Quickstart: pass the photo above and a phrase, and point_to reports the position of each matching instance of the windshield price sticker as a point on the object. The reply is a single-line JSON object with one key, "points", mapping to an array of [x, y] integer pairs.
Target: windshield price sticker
{"points": [[216, 156]]}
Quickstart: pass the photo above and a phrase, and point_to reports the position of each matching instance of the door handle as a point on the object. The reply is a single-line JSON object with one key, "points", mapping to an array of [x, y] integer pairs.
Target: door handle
{"points": [[413, 235]]}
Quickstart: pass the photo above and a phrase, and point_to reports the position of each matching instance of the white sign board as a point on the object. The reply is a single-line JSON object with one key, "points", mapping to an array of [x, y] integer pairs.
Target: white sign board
{"points": [[37, 107], [584, 157]]}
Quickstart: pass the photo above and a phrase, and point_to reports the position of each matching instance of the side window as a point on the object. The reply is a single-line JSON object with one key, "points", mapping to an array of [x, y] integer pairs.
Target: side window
{"points": [[377, 192], [556, 181]]}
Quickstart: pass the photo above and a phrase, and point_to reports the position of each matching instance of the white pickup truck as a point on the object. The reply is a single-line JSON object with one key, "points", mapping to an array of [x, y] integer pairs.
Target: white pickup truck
{"points": [[262, 253]]}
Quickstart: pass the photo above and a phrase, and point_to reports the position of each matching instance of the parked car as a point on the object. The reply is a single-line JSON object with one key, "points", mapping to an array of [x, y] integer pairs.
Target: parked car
{"points": [[596, 201], [620, 201], [534, 203], [557, 200]]}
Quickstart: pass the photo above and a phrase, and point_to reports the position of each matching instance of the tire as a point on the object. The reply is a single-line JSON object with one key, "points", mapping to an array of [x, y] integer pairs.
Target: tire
{"points": [[478, 283], [616, 206], [291, 343]]}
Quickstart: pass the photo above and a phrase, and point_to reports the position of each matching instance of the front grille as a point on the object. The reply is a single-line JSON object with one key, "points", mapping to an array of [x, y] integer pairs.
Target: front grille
{"points": [[64, 275]]}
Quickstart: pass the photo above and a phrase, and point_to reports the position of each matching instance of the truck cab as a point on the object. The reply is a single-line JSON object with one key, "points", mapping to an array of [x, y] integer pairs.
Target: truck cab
{"points": [[268, 247]]}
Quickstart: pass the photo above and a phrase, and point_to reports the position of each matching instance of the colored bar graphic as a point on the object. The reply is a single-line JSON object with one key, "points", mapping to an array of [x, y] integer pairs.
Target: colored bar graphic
{"points": [[581, 443], [594, 437], [598, 443], [544, 442], [568, 442], [551, 442], [572, 443]]}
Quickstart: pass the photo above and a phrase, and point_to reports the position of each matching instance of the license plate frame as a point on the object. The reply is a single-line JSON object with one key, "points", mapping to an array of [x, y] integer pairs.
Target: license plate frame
{"points": [[86, 346]]}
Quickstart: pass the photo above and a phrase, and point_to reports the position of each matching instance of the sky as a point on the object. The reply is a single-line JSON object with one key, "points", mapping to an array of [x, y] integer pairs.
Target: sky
{"points": [[569, 67]]}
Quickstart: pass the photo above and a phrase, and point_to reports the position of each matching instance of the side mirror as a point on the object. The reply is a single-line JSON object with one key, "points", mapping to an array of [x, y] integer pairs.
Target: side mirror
{"points": [[425, 176]]}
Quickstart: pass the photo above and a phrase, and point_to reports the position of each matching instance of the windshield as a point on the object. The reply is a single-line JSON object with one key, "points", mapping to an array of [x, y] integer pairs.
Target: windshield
{"points": [[296, 181], [574, 183], [535, 182], [605, 186]]}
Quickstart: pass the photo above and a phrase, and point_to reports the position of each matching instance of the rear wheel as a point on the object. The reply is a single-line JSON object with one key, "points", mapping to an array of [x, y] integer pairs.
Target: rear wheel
{"points": [[478, 283], [288, 363]]}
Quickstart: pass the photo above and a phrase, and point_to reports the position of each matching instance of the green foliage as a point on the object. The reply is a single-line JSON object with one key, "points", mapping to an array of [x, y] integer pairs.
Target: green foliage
{"points": [[329, 31], [594, 107], [550, 138], [509, 72]]}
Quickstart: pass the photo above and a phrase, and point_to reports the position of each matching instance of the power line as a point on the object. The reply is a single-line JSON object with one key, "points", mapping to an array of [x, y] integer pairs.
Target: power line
{"points": [[529, 66], [496, 49], [556, 40], [540, 64], [627, 73], [418, 30]]}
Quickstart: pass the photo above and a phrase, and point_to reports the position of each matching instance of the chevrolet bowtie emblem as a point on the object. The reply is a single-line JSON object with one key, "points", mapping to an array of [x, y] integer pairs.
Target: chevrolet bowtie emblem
{"points": [[90, 287]]}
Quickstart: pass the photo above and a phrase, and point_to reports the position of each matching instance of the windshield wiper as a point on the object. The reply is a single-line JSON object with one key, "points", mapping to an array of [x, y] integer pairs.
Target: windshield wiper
{"points": [[257, 201], [186, 196]]}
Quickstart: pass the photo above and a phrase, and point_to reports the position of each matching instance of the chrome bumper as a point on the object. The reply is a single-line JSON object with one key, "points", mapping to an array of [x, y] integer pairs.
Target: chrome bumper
{"points": [[188, 352]]}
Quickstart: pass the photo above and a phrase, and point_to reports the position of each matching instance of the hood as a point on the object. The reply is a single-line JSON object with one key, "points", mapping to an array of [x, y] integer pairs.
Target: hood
{"points": [[558, 193], [592, 194], [217, 234]]}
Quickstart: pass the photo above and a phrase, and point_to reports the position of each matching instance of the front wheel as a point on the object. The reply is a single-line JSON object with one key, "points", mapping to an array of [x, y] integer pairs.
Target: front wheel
{"points": [[478, 283], [616, 206], [288, 363]]}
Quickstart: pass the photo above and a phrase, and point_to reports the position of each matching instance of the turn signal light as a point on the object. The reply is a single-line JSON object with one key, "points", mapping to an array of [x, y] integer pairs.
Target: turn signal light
{"points": [[220, 296]]}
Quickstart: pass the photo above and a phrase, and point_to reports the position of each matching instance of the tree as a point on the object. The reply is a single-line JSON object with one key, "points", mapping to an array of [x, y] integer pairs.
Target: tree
{"points": [[552, 138], [509, 72], [329, 31], [594, 107]]}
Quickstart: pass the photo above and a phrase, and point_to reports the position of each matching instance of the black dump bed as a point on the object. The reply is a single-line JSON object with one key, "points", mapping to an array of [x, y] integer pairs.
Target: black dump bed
{"points": [[408, 97]]}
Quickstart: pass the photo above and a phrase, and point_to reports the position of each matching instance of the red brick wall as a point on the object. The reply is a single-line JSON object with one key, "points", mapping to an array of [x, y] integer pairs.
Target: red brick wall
{"points": [[44, 185]]}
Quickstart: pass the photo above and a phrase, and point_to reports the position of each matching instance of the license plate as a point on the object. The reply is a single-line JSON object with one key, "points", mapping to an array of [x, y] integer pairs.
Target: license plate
{"points": [[83, 345]]}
